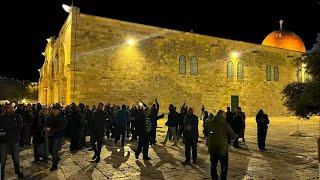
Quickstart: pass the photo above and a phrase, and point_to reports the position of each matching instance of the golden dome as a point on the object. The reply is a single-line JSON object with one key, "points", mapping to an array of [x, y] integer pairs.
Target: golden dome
{"points": [[285, 40]]}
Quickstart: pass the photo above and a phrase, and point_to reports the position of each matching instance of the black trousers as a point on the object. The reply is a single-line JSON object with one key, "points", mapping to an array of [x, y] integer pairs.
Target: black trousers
{"points": [[223, 159], [120, 134], [76, 139], [262, 134], [190, 143], [13, 149], [133, 132], [143, 145], [55, 145], [96, 144], [153, 135]]}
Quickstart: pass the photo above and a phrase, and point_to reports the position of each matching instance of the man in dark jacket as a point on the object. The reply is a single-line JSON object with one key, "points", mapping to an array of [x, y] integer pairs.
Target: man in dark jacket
{"points": [[243, 126], [154, 122], [172, 124], [262, 125], [190, 135], [144, 126], [10, 128], [55, 130], [77, 125], [97, 131], [237, 125], [121, 118], [28, 120], [218, 132]]}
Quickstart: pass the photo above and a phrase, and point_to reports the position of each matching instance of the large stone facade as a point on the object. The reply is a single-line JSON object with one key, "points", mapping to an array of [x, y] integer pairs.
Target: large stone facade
{"points": [[91, 62]]}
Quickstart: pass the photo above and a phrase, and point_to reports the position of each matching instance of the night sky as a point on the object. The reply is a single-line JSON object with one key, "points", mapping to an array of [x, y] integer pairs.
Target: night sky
{"points": [[24, 33]]}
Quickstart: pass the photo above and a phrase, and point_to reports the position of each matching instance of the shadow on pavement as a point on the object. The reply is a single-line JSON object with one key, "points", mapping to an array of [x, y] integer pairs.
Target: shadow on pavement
{"points": [[147, 170], [117, 157]]}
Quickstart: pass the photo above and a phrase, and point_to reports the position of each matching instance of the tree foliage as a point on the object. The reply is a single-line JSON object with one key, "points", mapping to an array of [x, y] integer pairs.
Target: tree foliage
{"points": [[303, 98]]}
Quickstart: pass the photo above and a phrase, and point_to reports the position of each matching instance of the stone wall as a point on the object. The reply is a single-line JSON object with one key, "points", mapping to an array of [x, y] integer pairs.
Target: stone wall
{"points": [[107, 69]]}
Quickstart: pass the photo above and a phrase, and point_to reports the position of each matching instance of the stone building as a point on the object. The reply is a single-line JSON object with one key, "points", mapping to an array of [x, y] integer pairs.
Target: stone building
{"points": [[96, 59]]}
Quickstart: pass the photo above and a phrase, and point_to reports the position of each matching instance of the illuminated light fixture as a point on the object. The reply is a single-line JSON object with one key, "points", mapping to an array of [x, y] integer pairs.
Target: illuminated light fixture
{"points": [[43, 53], [140, 104], [66, 8], [49, 39], [131, 41], [23, 101], [39, 70], [235, 54]]}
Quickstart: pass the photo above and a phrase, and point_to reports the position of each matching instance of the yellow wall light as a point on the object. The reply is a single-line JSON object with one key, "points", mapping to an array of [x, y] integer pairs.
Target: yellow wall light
{"points": [[131, 41], [235, 54]]}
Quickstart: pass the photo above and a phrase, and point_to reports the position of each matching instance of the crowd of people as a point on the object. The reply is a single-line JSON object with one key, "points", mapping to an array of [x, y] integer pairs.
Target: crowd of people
{"points": [[48, 128]]}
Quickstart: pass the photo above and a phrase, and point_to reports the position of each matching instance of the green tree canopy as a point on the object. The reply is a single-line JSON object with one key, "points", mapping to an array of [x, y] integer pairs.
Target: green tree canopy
{"points": [[303, 98]]}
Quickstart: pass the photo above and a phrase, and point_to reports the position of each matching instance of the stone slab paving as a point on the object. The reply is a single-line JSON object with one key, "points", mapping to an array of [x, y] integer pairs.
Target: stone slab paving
{"points": [[288, 157]]}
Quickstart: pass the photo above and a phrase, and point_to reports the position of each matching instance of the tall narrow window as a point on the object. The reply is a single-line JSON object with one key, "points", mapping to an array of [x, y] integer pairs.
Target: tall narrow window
{"points": [[276, 73], [182, 64], [268, 73], [230, 69], [194, 66], [299, 75], [240, 71], [52, 70]]}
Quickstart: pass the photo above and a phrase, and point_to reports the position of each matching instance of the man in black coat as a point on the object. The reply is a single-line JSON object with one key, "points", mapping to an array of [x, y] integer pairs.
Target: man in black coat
{"points": [[10, 128], [97, 131], [154, 113], [190, 135], [237, 125], [77, 125], [172, 124], [55, 130], [143, 129], [262, 125]]}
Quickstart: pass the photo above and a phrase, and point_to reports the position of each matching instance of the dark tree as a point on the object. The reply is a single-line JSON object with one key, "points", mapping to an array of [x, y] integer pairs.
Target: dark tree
{"points": [[303, 98]]}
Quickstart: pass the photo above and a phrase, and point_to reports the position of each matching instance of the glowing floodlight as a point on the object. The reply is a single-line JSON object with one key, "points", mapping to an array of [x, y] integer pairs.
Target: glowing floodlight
{"points": [[131, 41], [140, 104], [43, 54], [235, 54], [66, 8]]}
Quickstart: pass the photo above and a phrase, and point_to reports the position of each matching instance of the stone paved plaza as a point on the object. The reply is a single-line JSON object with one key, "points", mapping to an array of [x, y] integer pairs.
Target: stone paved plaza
{"points": [[288, 157]]}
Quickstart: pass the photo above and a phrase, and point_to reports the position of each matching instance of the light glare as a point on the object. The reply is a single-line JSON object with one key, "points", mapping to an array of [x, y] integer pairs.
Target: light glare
{"points": [[235, 54], [131, 41]]}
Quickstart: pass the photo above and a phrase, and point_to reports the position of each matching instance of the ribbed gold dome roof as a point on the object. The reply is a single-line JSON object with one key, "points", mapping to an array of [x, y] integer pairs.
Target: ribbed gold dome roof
{"points": [[284, 39]]}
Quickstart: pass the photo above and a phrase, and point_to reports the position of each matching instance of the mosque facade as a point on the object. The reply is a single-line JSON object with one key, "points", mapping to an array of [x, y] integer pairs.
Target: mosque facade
{"points": [[96, 59]]}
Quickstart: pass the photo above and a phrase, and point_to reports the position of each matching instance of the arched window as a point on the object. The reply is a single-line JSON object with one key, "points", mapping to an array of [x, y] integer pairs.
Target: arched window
{"points": [[52, 70], [268, 73], [194, 66], [299, 75], [182, 64], [230, 69], [240, 71], [276, 73]]}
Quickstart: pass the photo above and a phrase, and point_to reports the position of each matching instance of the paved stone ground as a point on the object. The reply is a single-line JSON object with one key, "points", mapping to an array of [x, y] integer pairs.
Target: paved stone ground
{"points": [[287, 157]]}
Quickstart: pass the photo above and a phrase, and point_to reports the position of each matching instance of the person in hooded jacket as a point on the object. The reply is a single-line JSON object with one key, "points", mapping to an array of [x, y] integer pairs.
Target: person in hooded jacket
{"points": [[218, 132]]}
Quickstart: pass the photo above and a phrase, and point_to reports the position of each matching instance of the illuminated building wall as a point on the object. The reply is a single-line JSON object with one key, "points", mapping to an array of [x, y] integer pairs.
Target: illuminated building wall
{"points": [[121, 62]]}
